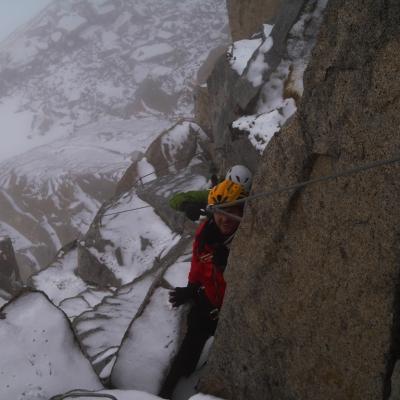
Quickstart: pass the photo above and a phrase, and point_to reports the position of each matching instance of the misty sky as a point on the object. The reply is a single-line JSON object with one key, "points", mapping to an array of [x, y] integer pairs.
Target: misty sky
{"points": [[14, 13]]}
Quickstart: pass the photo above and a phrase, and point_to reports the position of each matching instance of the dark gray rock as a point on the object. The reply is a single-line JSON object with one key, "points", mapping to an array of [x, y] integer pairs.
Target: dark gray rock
{"points": [[232, 96], [247, 17], [313, 274], [9, 271]]}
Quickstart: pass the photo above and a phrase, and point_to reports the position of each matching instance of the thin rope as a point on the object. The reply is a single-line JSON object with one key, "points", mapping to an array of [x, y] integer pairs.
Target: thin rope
{"points": [[140, 179], [215, 209], [84, 394], [348, 172], [124, 211], [219, 207]]}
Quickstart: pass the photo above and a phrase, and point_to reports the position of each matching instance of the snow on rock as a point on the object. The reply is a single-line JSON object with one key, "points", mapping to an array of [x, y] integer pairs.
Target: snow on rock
{"points": [[284, 85], [39, 354], [240, 53], [149, 52], [149, 346], [176, 148], [117, 394], [186, 386], [259, 66], [59, 281], [201, 396], [74, 306], [177, 274], [74, 111], [262, 127], [71, 22], [62, 184], [102, 329], [115, 253], [64, 288]]}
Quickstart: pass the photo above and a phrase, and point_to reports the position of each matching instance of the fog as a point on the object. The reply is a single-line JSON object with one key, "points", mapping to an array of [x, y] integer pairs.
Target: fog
{"points": [[14, 13]]}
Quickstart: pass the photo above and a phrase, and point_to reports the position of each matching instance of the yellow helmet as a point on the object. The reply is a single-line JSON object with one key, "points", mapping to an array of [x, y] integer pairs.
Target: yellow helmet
{"points": [[226, 192]]}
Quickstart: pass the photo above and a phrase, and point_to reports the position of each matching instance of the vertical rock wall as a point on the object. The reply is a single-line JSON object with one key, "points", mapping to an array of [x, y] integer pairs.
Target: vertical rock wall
{"points": [[247, 17], [311, 310], [9, 271]]}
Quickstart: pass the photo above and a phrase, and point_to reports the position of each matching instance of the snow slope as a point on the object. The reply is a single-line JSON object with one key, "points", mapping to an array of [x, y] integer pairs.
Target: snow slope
{"points": [[39, 354], [84, 89]]}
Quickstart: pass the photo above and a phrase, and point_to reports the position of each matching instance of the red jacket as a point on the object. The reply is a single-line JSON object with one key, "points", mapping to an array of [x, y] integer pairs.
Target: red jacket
{"points": [[204, 272]]}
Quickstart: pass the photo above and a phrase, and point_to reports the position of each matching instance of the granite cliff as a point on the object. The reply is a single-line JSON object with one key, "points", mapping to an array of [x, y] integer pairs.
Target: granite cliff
{"points": [[311, 310]]}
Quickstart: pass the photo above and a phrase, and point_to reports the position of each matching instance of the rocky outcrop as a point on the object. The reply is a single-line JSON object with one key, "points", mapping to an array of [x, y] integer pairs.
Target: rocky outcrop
{"points": [[247, 17], [202, 108], [9, 271], [232, 95], [313, 275], [172, 150]]}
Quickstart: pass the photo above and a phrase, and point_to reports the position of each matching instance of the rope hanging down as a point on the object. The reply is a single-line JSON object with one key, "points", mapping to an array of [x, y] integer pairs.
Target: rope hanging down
{"points": [[352, 171]]}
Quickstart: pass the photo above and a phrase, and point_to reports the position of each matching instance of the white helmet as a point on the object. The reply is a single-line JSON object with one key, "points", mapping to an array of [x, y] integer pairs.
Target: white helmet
{"points": [[241, 175]]}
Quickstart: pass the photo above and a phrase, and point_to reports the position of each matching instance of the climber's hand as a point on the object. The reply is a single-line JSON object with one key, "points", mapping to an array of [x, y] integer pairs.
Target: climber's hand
{"points": [[180, 295]]}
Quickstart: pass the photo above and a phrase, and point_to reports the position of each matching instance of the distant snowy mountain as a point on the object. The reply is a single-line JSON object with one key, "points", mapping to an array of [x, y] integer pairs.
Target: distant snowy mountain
{"points": [[86, 86]]}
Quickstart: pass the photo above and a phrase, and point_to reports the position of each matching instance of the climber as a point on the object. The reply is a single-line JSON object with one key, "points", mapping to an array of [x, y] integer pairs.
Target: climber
{"points": [[206, 284], [193, 203]]}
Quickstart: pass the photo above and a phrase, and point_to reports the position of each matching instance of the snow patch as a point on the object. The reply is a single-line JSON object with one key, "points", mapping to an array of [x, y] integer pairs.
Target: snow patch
{"points": [[152, 341], [259, 66], [39, 355], [241, 52], [149, 52], [71, 22]]}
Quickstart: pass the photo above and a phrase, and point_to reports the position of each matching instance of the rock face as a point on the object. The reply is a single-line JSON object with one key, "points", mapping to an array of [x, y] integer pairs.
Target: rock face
{"points": [[9, 272], [247, 17], [172, 150], [232, 95], [313, 275]]}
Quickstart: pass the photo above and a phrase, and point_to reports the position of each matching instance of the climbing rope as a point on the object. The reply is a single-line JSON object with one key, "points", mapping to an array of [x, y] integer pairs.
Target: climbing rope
{"points": [[84, 394], [352, 171], [219, 207], [124, 211], [140, 179]]}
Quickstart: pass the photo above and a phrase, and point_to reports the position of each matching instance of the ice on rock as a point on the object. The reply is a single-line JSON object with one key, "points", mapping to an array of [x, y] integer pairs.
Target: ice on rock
{"points": [[149, 346], [39, 354]]}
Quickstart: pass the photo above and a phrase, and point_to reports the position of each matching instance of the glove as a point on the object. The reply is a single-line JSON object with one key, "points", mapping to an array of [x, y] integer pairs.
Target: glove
{"points": [[192, 210], [182, 295]]}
